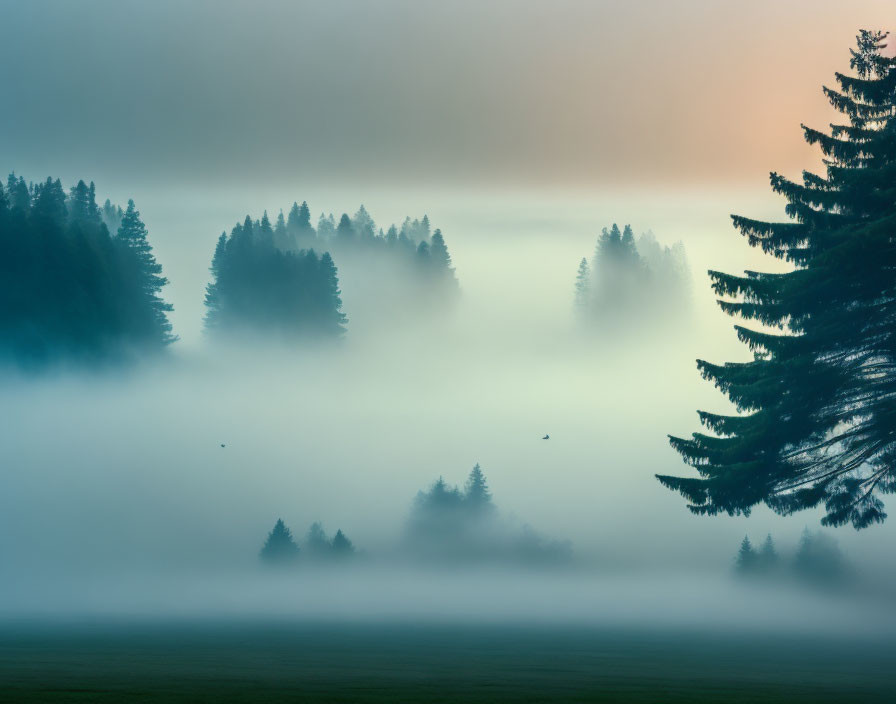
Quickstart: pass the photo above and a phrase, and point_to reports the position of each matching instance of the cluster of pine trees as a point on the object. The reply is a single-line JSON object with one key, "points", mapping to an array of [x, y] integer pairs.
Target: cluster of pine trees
{"points": [[448, 523], [629, 279], [413, 244], [817, 403], [817, 559], [272, 276], [71, 289], [280, 548], [256, 284]]}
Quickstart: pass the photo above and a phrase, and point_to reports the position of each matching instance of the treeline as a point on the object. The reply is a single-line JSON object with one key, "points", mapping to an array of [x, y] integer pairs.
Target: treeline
{"points": [[281, 548], [817, 559], [446, 525], [630, 279], [79, 282], [71, 289], [282, 275]]}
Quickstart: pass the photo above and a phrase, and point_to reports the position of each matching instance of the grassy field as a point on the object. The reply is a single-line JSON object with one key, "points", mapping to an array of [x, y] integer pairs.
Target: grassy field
{"points": [[296, 662]]}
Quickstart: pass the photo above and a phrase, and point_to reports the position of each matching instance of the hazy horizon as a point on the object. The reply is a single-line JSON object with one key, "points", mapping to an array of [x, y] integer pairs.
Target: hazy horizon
{"points": [[565, 94]]}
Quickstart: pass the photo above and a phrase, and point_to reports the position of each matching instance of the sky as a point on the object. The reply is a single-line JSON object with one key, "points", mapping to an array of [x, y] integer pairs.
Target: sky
{"points": [[501, 94]]}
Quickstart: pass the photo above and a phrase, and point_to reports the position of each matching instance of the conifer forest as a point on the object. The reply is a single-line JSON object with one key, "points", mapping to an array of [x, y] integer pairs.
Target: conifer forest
{"points": [[400, 351]]}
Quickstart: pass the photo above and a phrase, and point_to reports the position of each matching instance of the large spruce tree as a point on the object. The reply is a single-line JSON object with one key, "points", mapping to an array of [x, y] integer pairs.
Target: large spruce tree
{"points": [[817, 404], [147, 278]]}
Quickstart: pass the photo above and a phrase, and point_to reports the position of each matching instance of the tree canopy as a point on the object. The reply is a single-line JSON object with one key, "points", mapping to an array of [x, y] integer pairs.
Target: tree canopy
{"points": [[816, 406], [257, 286], [274, 276], [69, 289], [631, 279]]}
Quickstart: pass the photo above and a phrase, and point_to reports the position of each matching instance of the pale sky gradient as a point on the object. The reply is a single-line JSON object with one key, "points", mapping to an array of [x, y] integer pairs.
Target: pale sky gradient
{"points": [[396, 92]]}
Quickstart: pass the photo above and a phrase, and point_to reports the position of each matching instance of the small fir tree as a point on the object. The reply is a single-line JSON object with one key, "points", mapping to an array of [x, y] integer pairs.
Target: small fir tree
{"points": [[279, 548]]}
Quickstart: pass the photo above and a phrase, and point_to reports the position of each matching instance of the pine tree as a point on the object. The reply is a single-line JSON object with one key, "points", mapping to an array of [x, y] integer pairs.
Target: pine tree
{"points": [[264, 232], [768, 556], [816, 422], [17, 193], [332, 302], [284, 240], [746, 557], [583, 285], [279, 548], [341, 545], [345, 232], [627, 243], [48, 201], [132, 233], [477, 496], [326, 227], [305, 218], [81, 203], [438, 252], [363, 225], [299, 222], [212, 289], [317, 543]]}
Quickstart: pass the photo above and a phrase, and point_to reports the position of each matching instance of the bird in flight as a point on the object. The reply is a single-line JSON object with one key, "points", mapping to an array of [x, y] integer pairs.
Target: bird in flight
{"points": [[546, 437], [222, 444]]}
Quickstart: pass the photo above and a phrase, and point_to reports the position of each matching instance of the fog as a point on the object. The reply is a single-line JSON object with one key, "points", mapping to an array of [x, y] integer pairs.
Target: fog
{"points": [[150, 490]]}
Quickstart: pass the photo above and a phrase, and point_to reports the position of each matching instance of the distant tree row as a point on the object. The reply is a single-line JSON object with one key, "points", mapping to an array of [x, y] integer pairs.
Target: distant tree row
{"points": [[628, 279], [280, 548], [274, 276], [400, 275], [413, 241], [817, 559], [447, 523], [71, 289], [258, 285]]}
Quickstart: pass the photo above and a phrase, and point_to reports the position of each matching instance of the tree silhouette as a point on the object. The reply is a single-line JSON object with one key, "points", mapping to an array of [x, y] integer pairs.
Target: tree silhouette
{"points": [[317, 544], [477, 497], [629, 280], [816, 421], [747, 559], [257, 286], [768, 556], [583, 285], [279, 548], [147, 273], [818, 558], [70, 290], [345, 231], [341, 545]]}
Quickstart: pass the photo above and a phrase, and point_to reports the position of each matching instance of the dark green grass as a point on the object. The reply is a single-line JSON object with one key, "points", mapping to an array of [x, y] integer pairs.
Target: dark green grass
{"points": [[296, 662]]}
